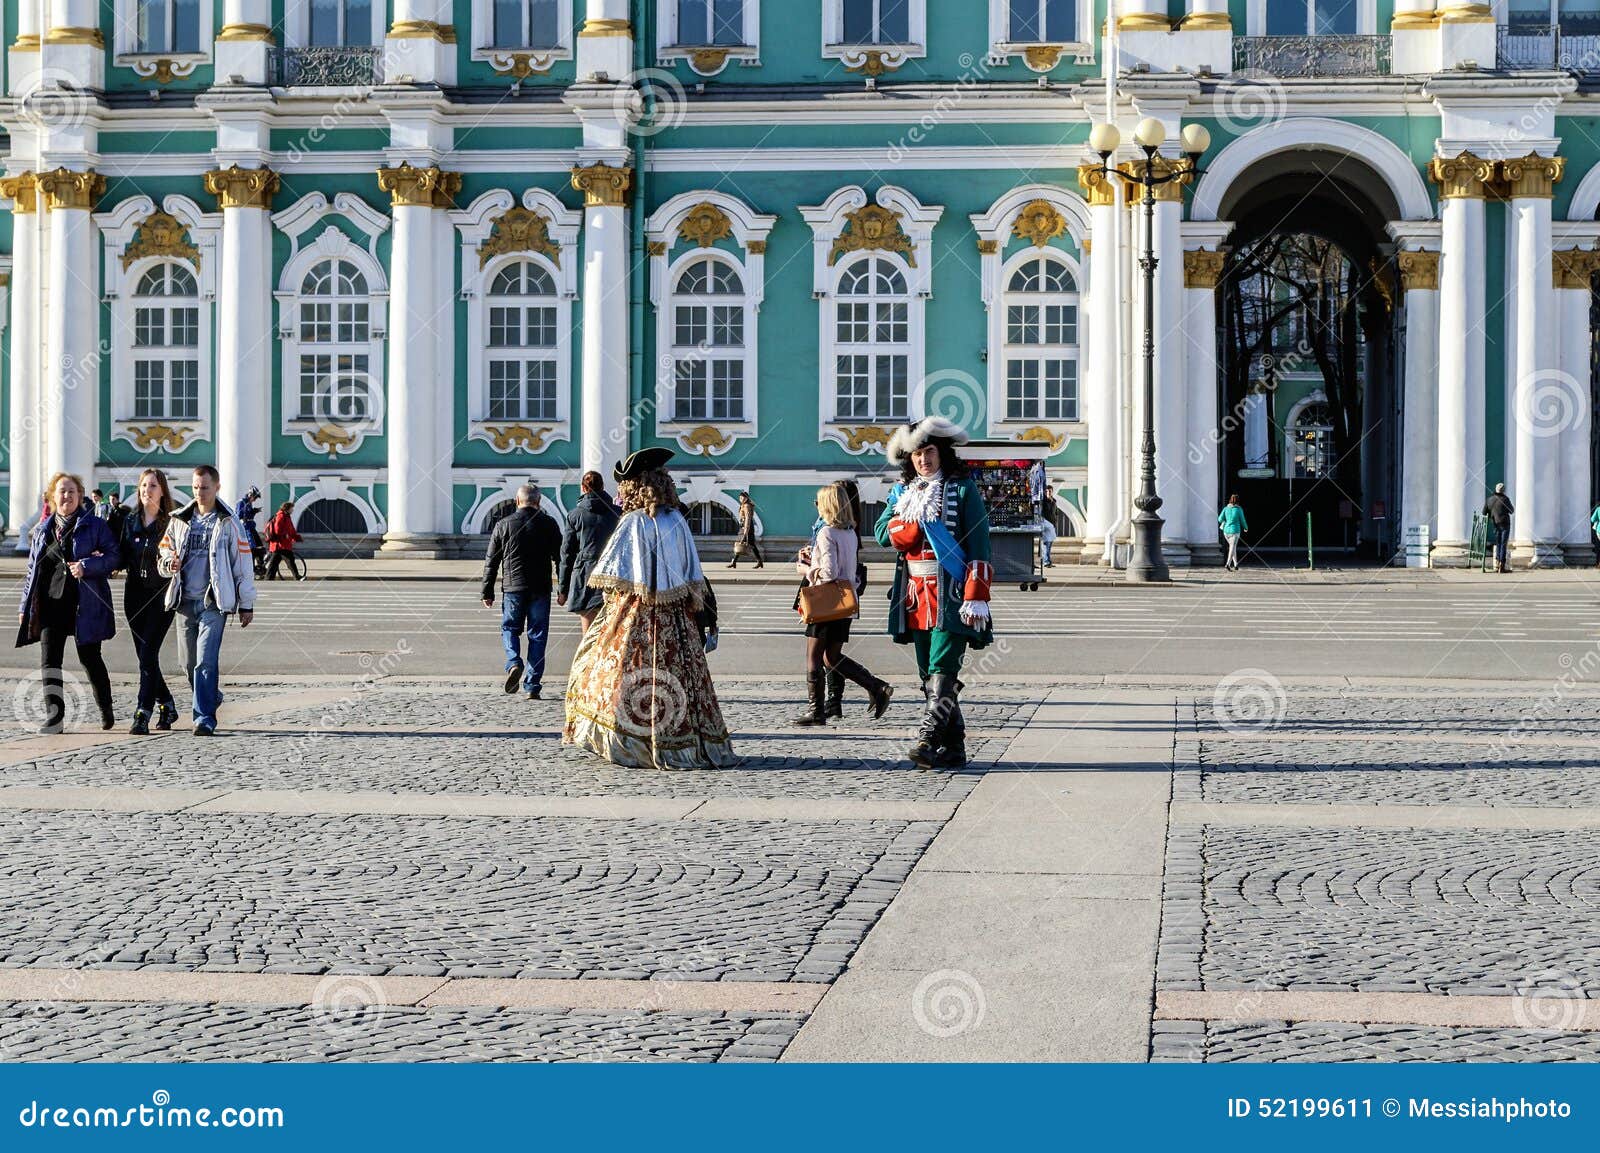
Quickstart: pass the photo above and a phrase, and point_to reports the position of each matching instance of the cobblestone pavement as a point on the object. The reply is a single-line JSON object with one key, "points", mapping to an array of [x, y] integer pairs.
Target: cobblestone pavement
{"points": [[1360, 910], [379, 897], [40, 1031]]}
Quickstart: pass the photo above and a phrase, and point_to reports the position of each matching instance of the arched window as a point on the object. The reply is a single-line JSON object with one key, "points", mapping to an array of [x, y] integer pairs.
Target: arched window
{"points": [[1041, 341], [872, 342], [1311, 442], [335, 378], [332, 515], [524, 344], [166, 345], [709, 518], [709, 342]]}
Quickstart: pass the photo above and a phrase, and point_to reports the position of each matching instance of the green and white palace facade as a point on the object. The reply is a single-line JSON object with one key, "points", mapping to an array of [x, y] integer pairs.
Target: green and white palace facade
{"points": [[390, 259]]}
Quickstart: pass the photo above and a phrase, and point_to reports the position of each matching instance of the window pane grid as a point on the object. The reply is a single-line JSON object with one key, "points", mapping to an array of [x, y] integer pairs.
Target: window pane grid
{"points": [[1041, 337]]}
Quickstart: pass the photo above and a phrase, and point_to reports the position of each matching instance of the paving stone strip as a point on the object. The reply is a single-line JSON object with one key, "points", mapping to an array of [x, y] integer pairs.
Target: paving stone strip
{"points": [[1308, 1042], [1550, 1008]]}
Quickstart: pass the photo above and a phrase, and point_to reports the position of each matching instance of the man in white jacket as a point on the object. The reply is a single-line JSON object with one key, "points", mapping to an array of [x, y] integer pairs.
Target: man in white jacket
{"points": [[207, 555]]}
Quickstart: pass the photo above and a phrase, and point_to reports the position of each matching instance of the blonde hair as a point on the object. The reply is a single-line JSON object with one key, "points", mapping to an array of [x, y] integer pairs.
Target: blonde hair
{"points": [[833, 505], [651, 490], [50, 488]]}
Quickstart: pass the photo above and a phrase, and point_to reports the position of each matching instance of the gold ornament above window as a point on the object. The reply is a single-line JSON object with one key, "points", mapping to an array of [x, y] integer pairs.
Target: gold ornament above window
{"points": [[1039, 223], [866, 435], [706, 439], [1038, 434], [161, 234], [873, 64], [705, 225], [171, 438], [873, 228], [506, 437], [519, 230]]}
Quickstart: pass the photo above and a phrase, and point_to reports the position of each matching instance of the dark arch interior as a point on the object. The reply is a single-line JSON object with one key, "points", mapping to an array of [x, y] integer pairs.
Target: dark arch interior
{"points": [[337, 517]]}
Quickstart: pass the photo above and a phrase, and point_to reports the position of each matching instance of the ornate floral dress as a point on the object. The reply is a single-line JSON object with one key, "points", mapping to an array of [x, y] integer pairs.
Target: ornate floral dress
{"points": [[640, 692]]}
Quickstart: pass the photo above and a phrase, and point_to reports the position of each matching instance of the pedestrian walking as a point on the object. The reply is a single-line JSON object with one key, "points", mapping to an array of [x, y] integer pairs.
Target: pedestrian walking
{"points": [[1231, 521], [526, 544], [282, 536], [1499, 509], [1047, 526], [833, 703], [935, 519], [640, 693], [116, 513], [207, 558], [98, 504], [746, 541], [830, 560], [589, 526], [67, 593], [144, 598]]}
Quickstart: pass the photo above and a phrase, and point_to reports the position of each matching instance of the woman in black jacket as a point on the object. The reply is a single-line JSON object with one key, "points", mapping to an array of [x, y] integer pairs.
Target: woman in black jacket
{"points": [[144, 594], [589, 527]]}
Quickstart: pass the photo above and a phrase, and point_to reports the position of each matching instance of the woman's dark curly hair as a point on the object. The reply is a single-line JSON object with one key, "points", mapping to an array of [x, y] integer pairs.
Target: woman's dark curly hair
{"points": [[953, 467]]}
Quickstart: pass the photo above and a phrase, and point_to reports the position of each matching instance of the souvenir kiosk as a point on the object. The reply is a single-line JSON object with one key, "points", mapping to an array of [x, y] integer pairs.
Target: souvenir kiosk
{"points": [[1011, 477]]}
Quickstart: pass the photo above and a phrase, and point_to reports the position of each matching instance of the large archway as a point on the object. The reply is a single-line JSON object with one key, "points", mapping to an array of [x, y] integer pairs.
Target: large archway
{"points": [[1308, 364]]}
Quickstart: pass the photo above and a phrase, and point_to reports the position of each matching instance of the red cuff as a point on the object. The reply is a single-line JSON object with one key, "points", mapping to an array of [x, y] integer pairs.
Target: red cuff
{"points": [[905, 536], [979, 575]]}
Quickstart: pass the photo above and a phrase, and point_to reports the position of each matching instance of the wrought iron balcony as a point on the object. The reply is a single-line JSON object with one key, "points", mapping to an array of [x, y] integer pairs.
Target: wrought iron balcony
{"points": [[1539, 47], [358, 67], [1311, 57]]}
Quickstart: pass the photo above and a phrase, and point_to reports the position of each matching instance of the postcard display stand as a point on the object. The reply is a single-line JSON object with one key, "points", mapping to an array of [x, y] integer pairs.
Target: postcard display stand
{"points": [[1011, 478]]}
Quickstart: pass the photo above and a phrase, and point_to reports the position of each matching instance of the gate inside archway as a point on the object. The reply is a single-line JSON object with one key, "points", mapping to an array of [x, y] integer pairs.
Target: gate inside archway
{"points": [[1308, 363]]}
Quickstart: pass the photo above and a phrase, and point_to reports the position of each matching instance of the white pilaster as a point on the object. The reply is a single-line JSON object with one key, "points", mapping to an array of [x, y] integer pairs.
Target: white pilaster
{"points": [[1462, 181], [71, 375], [1419, 464], [245, 41], [1573, 270], [605, 42], [1171, 389], [243, 427], [22, 424], [72, 44], [420, 47], [1204, 447], [1100, 376]]}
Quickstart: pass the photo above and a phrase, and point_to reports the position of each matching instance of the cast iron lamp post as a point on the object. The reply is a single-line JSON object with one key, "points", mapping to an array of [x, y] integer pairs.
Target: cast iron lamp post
{"points": [[1145, 562]]}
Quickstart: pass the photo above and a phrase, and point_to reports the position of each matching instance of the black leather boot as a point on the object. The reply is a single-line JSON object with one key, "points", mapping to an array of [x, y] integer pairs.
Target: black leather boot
{"points": [[924, 753], [878, 692], [833, 706], [813, 714], [953, 742]]}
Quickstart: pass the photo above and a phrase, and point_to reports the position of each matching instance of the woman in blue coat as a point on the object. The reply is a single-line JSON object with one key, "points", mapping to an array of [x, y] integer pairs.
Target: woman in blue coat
{"points": [[67, 593]]}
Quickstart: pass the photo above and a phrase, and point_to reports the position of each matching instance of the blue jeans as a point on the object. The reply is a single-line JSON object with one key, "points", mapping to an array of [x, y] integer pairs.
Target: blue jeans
{"points": [[202, 646], [1499, 537], [523, 612]]}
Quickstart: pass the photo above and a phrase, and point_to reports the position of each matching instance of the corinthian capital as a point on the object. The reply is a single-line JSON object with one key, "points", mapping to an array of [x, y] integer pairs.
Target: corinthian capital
{"points": [[237, 187]]}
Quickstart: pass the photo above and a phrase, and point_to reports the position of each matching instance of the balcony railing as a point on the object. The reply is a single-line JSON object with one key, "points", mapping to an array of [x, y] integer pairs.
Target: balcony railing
{"points": [[359, 67], [1292, 57], [1525, 47]]}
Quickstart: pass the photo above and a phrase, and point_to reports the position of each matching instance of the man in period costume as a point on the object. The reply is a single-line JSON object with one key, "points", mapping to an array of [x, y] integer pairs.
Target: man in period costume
{"points": [[936, 521]]}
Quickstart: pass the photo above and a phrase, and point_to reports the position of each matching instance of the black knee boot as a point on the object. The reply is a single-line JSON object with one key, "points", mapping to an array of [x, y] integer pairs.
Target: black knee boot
{"points": [[813, 714], [833, 706], [953, 743], [925, 753], [878, 692]]}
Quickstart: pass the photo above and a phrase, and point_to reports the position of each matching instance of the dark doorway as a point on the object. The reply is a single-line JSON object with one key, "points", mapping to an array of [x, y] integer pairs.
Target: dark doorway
{"points": [[333, 517]]}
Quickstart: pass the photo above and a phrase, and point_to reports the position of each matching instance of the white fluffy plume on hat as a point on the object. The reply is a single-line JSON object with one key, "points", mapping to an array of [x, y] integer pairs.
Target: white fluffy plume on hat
{"points": [[910, 437]]}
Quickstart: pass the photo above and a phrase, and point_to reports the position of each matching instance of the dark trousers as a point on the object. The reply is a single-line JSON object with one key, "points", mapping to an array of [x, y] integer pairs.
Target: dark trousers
{"points": [[1499, 537], [276, 558], [148, 621], [59, 621]]}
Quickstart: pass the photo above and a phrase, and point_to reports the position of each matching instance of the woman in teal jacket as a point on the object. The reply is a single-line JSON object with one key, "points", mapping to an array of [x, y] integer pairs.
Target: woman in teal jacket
{"points": [[1232, 521]]}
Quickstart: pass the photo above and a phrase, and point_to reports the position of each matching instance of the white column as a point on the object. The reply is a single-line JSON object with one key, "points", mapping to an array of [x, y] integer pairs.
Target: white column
{"points": [[1540, 402], [23, 420], [605, 42], [244, 41], [242, 428], [23, 56], [71, 375], [1419, 278], [417, 472], [444, 420], [1461, 352], [1573, 270], [1204, 448], [73, 45], [1100, 376], [1171, 390], [605, 433], [421, 44]]}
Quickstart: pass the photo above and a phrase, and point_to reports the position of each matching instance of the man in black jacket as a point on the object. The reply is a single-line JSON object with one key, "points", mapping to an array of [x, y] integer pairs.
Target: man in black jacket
{"points": [[527, 543], [1498, 509]]}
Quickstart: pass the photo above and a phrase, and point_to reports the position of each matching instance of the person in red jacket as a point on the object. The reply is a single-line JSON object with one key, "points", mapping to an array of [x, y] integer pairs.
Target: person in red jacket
{"points": [[282, 536]]}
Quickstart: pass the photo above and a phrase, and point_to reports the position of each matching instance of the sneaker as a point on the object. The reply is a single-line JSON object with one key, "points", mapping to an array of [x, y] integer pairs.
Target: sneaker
{"points": [[141, 724], [166, 714], [204, 730], [513, 678]]}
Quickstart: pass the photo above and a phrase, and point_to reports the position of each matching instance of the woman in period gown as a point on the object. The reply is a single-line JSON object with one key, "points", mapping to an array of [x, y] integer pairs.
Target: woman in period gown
{"points": [[640, 692]]}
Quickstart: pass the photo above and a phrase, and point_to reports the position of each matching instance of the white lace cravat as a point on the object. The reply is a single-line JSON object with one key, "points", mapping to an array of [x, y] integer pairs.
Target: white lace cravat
{"points": [[922, 501]]}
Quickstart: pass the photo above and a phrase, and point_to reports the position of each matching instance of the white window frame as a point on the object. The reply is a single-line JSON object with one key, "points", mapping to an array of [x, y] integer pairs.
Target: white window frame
{"points": [[834, 46], [536, 59], [118, 228], [673, 353], [1004, 346], [297, 23], [125, 44], [1366, 18], [749, 230], [707, 59], [1002, 47], [873, 349], [474, 225], [1292, 423], [331, 242], [553, 353]]}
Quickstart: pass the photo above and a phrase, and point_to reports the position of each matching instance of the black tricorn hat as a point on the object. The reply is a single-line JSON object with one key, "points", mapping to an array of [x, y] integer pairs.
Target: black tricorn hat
{"points": [[641, 462]]}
